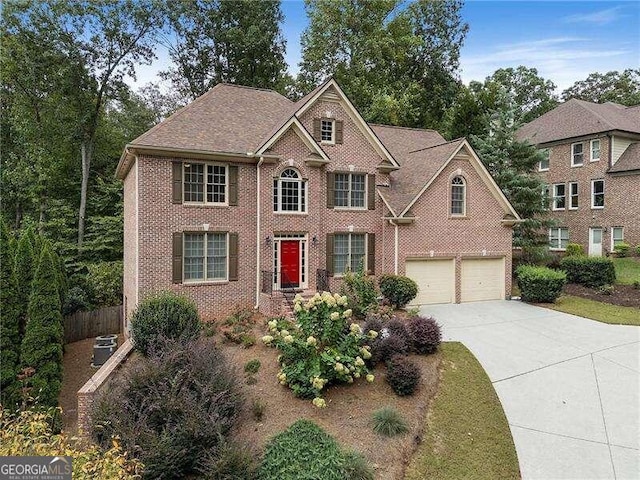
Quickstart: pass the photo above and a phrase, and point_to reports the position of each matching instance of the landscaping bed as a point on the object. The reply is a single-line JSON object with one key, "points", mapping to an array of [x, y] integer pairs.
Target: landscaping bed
{"points": [[623, 295], [349, 410], [595, 310]]}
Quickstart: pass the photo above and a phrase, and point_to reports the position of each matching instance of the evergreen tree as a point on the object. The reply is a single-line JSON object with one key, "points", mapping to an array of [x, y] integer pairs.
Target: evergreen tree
{"points": [[9, 321], [512, 164], [42, 342], [24, 267]]}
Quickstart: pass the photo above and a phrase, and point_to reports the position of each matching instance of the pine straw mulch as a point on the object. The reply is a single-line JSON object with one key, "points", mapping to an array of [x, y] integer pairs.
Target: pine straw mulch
{"points": [[349, 409], [622, 295]]}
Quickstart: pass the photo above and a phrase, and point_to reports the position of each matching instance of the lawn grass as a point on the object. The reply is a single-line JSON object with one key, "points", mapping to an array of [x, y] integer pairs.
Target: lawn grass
{"points": [[467, 434], [627, 270], [602, 312]]}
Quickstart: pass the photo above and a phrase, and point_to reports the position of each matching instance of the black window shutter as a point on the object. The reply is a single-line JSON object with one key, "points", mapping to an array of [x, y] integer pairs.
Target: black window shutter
{"points": [[371, 253], [371, 200], [177, 181], [331, 180], [316, 129], [329, 253], [338, 125], [233, 257], [233, 185], [177, 257]]}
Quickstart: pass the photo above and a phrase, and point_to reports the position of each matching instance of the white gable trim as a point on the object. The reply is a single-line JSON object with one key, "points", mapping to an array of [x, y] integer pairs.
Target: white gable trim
{"points": [[362, 125], [482, 171], [302, 132]]}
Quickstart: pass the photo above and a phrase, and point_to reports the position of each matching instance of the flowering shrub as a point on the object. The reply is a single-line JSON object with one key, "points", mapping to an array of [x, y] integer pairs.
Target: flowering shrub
{"points": [[321, 347]]}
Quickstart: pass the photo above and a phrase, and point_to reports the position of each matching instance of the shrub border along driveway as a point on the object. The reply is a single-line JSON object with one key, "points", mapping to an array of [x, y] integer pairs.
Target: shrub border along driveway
{"points": [[570, 387]]}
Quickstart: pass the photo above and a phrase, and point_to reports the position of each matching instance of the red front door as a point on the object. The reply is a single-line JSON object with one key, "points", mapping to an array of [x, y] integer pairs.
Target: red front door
{"points": [[289, 263]]}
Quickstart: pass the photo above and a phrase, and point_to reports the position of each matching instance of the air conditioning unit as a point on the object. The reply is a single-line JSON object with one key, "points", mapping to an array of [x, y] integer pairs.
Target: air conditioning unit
{"points": [[107, 339]]}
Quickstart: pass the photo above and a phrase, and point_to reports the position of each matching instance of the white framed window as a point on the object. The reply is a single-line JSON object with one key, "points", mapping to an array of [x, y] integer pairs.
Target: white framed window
{"points": [[458, 196], [573, 195], [349, 252], [546, 192], [543, 165], [289, 192], [205, 183], [350, 190], [617, 236], [559, 196], [577, 154], [597, 194], [595, 150], [205, 257], [558, 238], [327, 130]]}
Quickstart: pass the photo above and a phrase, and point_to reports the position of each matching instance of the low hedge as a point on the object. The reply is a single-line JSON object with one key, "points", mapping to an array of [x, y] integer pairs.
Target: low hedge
{"points": [[574, 249], [540, 284], [591, 272]]}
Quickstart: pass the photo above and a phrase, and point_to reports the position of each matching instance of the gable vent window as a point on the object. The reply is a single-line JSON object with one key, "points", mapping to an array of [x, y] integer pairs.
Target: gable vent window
{"points": [[458, 196], [289, 193]]}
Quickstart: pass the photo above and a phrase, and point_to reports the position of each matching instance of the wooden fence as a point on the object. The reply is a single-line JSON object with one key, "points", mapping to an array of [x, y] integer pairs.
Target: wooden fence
{"points": [[81, 325]]}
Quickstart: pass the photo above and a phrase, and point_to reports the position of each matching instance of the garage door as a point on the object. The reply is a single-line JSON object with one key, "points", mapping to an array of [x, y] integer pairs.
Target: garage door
{"points": [[482, 279], [435, 279]]}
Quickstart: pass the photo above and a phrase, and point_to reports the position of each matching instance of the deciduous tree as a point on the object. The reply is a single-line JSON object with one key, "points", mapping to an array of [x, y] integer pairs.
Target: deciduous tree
{"points": [[618, 87]]}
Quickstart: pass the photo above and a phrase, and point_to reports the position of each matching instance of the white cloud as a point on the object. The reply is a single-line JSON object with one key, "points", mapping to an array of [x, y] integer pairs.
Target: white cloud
{"points": [[562, 59], [601, 17]]}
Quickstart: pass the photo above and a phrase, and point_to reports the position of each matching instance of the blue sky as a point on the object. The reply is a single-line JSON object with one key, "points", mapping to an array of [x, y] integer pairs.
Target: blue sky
{"points": [[564, 40]]}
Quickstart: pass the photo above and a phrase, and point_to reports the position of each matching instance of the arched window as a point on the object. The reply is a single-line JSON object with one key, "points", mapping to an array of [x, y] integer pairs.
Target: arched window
{"points": [[458, 196], [289, 192]]}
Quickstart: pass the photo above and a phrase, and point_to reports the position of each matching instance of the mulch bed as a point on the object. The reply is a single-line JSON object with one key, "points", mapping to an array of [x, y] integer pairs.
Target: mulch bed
{"points": [[349, 409], [623, 295]]}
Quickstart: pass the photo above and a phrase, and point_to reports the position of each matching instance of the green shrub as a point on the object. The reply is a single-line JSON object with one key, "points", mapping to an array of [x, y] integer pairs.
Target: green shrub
{"points": [[574, 249], [257, 409], [638, 249], [24, 268], [357, 467], [104, 282], [41, 347], [76, 300], [303, 452], [398, 290], [171, 408], [425, 335], [30, 433], [360, 290], [252, 366], [622, 249], [540, 284], [164, 315], [403, 375], [322, 347], [388, 422], [636, 284], [589, 271], [9, 322], [229, 462]]}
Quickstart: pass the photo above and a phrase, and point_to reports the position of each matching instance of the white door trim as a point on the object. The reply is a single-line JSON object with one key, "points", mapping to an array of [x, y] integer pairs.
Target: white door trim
{"points": [[595, 248]]}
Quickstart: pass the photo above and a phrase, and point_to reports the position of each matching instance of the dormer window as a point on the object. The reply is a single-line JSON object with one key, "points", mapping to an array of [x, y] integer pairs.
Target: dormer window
{"points": [[577, 155], [327, 130]]}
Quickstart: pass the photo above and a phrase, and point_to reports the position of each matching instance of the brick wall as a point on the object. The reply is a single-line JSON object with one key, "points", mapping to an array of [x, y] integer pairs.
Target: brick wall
{"points": [[622, 196]]}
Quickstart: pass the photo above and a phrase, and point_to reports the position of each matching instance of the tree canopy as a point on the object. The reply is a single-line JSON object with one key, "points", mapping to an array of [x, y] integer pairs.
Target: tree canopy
{"points": [[618, 87]]}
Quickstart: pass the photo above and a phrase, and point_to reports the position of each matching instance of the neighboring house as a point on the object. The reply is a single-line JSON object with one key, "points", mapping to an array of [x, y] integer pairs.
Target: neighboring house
{"points": [[244, 194], [592, 170]]}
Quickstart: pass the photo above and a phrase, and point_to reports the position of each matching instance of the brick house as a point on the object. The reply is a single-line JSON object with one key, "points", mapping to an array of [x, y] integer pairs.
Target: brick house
{"points": [[592, 170], [243, 195]]}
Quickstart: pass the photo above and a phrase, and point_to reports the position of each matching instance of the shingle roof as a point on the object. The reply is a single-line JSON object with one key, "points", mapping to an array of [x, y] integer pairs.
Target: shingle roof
{"points": [[401, 140], [629, 160], [576, 118], [228, 118]]}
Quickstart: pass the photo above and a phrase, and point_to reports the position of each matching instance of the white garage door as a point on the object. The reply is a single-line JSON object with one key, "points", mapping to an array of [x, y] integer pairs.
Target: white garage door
{"points": [[482, 279], [435, 279]]}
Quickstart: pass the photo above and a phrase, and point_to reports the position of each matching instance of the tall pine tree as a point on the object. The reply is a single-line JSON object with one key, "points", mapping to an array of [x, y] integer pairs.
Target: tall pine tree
{"points": [[43, 338], [9, 321]]}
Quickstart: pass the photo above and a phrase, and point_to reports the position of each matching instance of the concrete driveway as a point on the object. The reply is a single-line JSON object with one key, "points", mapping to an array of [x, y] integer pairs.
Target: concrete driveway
{"points": [[570, 386]]}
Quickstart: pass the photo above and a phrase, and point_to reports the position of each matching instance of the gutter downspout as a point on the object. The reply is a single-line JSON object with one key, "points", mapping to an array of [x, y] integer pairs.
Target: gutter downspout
{"points": [[258, 234], [395, 247]]}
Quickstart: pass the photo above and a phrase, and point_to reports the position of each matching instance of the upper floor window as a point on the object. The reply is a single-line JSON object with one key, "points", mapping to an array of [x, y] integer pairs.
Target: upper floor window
{"points": [[543, 166], [205, 183], [349, 252], [595, 150], [545, 196], [559, 196], [597, 193], [289, 193], [577, 155], [558, 238], [573, 195], [205, 257], [327, 130], [350, 190], [458, 196]]}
